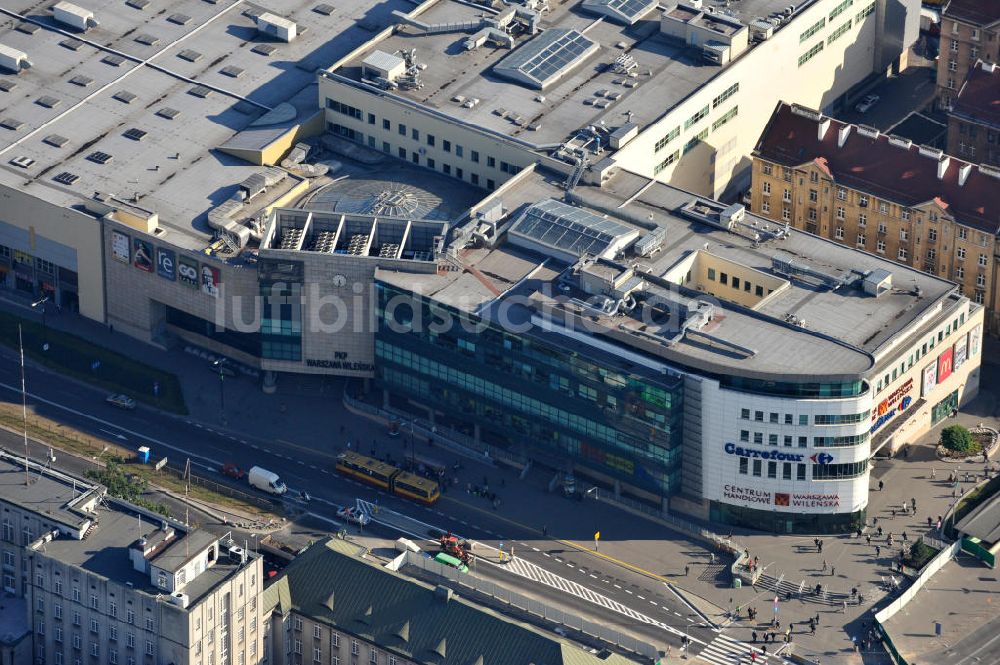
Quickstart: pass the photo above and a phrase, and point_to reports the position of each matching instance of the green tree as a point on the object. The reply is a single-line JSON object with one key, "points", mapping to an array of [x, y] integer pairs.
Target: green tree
{"points": [[126, 486], [958, 439]]}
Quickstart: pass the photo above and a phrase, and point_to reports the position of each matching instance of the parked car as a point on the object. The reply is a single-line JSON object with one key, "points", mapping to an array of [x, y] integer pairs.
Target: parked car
{"points": [[120, 400], [232, 471], [866, 104], [353, 516]]}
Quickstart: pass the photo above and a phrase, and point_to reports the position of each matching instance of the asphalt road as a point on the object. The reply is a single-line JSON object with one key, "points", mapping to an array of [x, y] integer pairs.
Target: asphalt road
{"points": [[310, 469]]}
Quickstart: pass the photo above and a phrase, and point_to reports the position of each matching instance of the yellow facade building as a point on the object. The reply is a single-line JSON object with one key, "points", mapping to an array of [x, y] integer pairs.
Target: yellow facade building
{"points": [[882, 194]]}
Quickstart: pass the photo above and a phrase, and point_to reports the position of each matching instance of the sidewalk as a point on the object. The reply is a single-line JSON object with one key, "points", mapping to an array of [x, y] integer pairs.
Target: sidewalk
{"points": [[961, 597]]}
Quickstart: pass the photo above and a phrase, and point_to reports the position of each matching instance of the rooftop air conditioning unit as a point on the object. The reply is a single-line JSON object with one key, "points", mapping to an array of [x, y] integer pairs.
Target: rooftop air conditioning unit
{"points": [[75, 17]]}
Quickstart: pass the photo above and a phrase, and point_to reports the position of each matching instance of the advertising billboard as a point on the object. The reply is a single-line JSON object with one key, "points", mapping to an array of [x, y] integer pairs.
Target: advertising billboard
{"points": [[944, 365], [210, 278], [930, 377], [120, 247], [166, 263], [187, 271], [961, 352], [142, 255], [974, 337]]}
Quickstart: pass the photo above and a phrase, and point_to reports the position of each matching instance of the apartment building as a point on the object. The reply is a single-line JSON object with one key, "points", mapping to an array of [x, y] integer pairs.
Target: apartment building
{"points": [[974, 118], [335, 606], [102, 580], [911, 204], [970, 31]]}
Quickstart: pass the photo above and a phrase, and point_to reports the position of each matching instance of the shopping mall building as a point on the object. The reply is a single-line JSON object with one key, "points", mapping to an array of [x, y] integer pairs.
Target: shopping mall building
{"points": [[319, 219]]}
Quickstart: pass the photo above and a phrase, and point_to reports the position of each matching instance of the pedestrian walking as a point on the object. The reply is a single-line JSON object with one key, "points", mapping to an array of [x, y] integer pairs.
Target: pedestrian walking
{"points": [[879, 532], [753, 634], [824, 565], [906, 507], [812, 629], [833, 571], [878, 551], [820, 546], [913, 504], [881, 484], [893, 513], [844, 610], [868, 537], [687, 569], [933, 476], [930, 521], [905, 539], [763, 651]]}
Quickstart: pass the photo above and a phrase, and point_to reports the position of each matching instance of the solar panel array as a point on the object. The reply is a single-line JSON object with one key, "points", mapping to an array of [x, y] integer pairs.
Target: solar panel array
{"points": [[547, 57], [569, 229], [623, 11]]}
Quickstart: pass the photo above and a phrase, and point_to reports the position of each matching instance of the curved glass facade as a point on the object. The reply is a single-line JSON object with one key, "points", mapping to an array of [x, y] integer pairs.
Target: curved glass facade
{"points": [[786, 522], [789, 389], [528, 392]]}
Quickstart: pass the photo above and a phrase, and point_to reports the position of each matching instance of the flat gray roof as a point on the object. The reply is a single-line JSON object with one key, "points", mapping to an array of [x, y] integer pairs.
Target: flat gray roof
{"points": [[668, 72], [983, 522], [48, 495], [844, 329], [174, 168]]}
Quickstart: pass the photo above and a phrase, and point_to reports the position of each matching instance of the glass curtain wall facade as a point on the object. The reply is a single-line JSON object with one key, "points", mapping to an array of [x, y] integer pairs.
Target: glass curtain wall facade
{"points": [[281, 296], [527, 394]]}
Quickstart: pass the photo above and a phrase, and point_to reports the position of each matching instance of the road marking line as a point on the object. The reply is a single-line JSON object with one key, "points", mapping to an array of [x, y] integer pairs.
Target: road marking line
{"points": [[628, 590], [253, 445], [653, 602], [640, 597], [593, 575], [570, 565], [558, 559], [546, 554], [617, 587], [536, 549], [245, 443]]}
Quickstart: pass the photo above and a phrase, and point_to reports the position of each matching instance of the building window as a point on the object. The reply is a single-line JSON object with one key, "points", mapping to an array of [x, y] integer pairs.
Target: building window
{"points": [[904, 235], [386, 125], [744, 465], [354, 648], [765, 207], [766, 169], [772, 439], [786, 213], [745, 414], [491, 162], [882, 227], [841, 194], [788, 441], [978, 298], [960, 253], [981, 280], [800, 471], [861, 240], [402, 129], [862, 219], [758, 438], [952, 66], [757, 467], [786, 196], [415, 134], [840, 212], [765, 188], [880, 246], [745, 436], [758, 416], [982, 260], [901, 254], [954, 46], [772, 469], [813, 194], [317, 655]]}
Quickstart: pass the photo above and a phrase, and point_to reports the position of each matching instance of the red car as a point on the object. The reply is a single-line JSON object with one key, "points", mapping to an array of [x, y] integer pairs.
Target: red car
{"points": [[232, 471]]}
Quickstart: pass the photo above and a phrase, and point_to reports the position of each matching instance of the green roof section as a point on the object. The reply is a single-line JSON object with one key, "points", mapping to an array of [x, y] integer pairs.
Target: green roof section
{"points": [[331, 582]]}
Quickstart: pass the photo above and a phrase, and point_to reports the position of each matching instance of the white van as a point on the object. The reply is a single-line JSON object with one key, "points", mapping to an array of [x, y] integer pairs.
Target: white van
{"points": [[265, 480]]}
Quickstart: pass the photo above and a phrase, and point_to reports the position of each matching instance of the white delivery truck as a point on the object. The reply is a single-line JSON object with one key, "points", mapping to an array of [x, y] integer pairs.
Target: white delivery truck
{"points": [[265, 480]]}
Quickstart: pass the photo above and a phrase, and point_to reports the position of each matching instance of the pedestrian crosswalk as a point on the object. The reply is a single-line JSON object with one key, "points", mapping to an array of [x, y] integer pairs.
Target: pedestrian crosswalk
{"points": [[724, 650], [538, 574]]}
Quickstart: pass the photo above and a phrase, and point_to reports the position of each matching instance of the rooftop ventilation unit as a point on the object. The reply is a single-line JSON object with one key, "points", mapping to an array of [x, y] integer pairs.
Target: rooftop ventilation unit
{"points": [[274, 26], [75, 17], [877, 282], [13, 60], [650, 243]]}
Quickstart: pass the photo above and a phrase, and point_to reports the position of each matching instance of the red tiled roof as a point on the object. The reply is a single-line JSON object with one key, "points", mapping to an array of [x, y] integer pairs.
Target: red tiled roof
{"points": [[880, 168], [977, 12], [979, 97]]}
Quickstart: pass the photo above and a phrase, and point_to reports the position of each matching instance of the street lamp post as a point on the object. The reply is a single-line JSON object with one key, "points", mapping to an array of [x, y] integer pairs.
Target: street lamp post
{"points": [[41, 305]]}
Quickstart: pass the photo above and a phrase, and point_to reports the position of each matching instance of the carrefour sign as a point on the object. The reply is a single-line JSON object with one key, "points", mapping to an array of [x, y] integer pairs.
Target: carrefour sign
{"points": [[740, 451]]}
